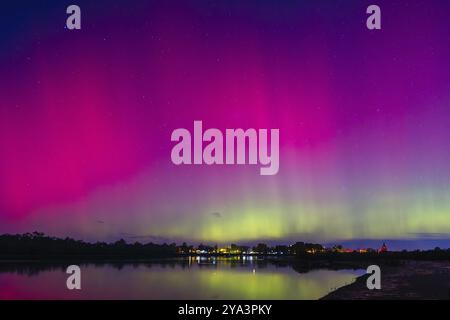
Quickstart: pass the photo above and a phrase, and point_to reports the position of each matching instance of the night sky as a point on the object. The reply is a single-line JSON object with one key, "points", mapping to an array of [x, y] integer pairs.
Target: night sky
{"points": [[364, 116]]}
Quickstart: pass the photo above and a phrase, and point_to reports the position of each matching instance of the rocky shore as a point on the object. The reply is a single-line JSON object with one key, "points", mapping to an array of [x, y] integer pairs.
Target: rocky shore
{"points": [[411, 280]]}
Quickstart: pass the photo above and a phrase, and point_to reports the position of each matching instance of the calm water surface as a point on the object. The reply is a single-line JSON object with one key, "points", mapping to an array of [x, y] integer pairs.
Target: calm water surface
{"points": [[172, 279]]}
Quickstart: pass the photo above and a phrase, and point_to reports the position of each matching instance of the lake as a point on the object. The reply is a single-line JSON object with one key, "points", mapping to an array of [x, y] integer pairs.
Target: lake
{"points": [[190, 278]]}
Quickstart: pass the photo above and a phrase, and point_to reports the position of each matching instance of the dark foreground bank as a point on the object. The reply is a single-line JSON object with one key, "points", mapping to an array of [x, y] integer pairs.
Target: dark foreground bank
{"points": [[410, 280]]}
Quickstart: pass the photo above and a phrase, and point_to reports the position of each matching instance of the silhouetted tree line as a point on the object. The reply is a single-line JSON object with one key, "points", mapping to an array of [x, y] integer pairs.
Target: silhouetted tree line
{"points": [[37, 245], [260, 248], [295, 249]]}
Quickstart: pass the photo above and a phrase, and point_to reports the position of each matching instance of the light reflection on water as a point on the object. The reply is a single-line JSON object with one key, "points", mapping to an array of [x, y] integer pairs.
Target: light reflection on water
{"points": [[193, 278]]}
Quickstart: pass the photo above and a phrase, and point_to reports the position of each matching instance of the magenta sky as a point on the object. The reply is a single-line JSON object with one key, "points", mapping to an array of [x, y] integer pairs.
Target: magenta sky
{"points": [[364, 116]]}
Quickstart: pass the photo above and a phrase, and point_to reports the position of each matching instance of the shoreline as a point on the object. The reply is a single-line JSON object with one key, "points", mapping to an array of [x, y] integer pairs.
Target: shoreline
{"points": [[421, 280]]}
